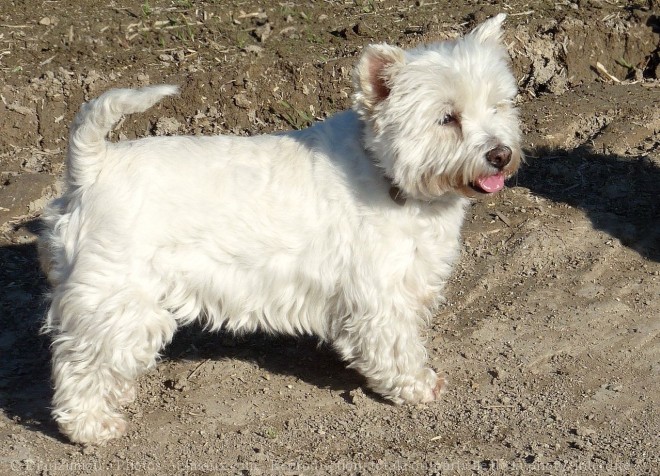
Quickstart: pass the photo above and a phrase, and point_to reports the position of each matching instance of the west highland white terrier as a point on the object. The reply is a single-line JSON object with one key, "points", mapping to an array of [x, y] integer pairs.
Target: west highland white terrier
{"points": [[346, 230]]}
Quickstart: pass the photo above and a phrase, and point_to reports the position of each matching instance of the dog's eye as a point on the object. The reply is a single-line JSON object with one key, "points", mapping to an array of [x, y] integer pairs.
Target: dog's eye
{"points": [[447, 119]]}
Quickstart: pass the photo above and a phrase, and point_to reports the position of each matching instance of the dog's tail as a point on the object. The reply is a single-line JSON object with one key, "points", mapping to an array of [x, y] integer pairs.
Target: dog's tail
{"points": [[96, 118]]}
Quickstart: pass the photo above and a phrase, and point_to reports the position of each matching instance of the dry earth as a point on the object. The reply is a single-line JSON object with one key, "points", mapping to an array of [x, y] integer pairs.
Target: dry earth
{"points": [[550, 332]]}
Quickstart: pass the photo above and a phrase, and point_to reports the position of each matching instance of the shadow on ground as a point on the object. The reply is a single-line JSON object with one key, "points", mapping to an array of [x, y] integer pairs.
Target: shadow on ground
{"points": [[303, 358], [25, 390], [618, 194]]}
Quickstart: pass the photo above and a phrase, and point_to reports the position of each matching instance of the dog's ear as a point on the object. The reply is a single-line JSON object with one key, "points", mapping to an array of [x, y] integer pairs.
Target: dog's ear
{"points": [[374, 72], [490, 30]]}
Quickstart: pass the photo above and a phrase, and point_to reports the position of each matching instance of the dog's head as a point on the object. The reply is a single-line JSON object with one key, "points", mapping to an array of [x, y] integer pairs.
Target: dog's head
{"points": [[440, 117]]}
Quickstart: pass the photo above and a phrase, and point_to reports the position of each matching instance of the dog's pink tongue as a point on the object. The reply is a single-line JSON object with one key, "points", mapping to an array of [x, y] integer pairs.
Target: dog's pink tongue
{"points": [[491, 184]]}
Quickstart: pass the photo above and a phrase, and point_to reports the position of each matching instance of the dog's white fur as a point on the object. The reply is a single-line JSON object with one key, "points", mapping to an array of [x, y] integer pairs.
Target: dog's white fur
{"points": [[291, 233]]}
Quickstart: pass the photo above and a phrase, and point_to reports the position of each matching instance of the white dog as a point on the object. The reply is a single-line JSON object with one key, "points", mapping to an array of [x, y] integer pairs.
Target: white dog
{"points": [[346, 230]]}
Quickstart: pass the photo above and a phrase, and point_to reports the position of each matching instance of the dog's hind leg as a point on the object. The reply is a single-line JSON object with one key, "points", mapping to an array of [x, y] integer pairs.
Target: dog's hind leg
{"points": [[99, 348]]}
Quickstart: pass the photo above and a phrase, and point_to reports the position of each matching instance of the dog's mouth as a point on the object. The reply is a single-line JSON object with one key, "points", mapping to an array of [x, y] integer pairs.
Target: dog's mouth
{"points": [[490, 184]]}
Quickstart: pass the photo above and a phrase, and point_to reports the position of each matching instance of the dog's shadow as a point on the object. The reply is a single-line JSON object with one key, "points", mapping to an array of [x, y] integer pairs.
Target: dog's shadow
{"points": [[302, 358], [618, 194], [25, 390]]}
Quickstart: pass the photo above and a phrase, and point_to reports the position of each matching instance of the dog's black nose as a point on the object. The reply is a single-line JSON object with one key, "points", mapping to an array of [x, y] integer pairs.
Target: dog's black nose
{"points": [[499, 157]]}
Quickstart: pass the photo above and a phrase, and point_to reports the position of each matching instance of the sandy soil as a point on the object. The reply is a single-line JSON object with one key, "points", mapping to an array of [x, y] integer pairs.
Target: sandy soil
{"points": [[550, 332]]}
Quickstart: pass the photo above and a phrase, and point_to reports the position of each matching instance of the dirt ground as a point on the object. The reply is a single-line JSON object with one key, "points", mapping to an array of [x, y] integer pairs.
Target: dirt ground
{"points": [[550, 332]]}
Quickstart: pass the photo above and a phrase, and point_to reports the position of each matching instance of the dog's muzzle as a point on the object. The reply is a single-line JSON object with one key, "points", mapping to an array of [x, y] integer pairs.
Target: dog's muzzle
{"points": [[499, 157]]}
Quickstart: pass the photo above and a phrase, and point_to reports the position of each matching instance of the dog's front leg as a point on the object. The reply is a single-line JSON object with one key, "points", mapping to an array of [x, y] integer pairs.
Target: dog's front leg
{"points": [[389, 353]]}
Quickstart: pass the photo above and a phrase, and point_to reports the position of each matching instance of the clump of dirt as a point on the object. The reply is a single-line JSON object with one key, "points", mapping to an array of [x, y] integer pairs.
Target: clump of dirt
{"points": [[550, 332]]}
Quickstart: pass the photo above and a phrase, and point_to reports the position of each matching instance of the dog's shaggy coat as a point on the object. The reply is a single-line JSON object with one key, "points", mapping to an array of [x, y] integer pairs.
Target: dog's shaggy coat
{"points": [[294, 233]]}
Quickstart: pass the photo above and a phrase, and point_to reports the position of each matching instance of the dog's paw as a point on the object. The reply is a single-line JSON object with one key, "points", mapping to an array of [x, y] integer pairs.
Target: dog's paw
{"points": [[440, 387], [426, 387], [127, 395], [94, 428]]}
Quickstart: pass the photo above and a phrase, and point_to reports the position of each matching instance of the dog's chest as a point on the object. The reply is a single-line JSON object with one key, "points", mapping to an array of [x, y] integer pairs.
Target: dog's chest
{"points": [[408, 252]]}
